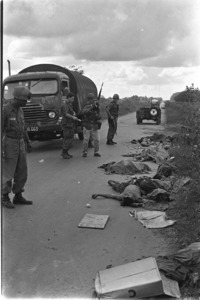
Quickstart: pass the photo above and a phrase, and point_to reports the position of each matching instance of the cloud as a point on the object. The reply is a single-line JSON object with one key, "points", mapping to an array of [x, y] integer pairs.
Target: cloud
{"points": [[142, 47], [100, 30]]}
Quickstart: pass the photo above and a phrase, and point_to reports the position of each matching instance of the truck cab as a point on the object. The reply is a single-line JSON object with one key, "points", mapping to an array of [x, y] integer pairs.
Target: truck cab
{"points": [[48, 84], [42, 112]]}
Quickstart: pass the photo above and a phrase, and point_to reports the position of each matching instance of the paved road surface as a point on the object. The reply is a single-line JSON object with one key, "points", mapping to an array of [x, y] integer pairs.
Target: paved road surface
{"points": [[44, 253]]}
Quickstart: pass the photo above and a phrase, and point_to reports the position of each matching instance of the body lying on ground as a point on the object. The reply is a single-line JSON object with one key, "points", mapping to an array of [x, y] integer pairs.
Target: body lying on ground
{"points": [[131, 196], [135, 192]]}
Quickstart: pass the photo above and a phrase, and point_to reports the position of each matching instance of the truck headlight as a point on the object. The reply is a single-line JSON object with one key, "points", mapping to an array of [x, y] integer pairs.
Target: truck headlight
{"points": [[52, 114]]}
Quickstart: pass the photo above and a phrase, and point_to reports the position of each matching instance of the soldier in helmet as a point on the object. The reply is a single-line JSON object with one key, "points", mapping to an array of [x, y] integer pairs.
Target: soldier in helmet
{"points": [[13, 148], [68, 123], [112, 111], [91, 117]]}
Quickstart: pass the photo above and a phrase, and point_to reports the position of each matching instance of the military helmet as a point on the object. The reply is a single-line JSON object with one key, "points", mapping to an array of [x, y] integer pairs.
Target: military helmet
{"points": [[116, 96], [70, 95], [66, 90], [21, 93], [90, 96]]}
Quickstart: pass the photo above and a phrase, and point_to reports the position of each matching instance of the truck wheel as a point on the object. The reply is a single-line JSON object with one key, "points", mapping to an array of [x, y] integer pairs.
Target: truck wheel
{"points": [[139, 121], [80, 135], [153, 112]]}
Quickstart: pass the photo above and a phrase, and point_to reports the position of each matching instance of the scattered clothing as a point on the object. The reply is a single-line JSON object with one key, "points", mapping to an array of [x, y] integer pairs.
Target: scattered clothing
{"points": [[126, 166], [153, 219]]}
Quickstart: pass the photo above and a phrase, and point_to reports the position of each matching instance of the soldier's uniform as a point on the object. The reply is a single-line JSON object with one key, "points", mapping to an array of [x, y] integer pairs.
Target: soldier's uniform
{"points": [[90, 125], [113, 110], [68, 128], [14, 150]]}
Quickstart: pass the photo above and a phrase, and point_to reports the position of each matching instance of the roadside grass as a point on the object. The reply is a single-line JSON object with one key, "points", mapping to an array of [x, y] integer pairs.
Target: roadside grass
{"points": [[185, 118], [186, 151]]}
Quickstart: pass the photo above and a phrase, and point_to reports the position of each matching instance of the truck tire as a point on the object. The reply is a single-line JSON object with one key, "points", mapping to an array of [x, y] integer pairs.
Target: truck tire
{"points": [[80, 135], [154, 112], [139, 121]]}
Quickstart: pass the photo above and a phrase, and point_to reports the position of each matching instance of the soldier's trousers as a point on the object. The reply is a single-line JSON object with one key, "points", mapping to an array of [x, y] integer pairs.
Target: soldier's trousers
{"points": [[88, 133], [14, 166], [112, 128], [68, 138]]}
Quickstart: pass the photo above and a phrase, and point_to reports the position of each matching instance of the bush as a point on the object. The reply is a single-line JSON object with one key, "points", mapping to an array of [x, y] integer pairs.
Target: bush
{"points": [[185, 115], [186, 150], [189, 95]]}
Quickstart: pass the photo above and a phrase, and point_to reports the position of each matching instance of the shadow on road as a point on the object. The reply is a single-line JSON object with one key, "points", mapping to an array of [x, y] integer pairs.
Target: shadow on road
{"points": [[51, 145]]}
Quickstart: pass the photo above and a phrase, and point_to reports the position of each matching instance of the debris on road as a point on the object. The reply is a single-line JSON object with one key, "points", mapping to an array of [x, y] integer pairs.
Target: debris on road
{"points": [[189, 255], [151, 276], [155, 138], [126, 167], [94, 221], [152, 194], [158, 195], [155, 153], [182, 266], [41, 161], [140, 278], [152, 219], [164, 170]]}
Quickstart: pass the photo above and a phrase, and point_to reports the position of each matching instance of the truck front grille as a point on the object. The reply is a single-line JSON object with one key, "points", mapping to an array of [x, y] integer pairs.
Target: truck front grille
{"points": [[34, 112]]}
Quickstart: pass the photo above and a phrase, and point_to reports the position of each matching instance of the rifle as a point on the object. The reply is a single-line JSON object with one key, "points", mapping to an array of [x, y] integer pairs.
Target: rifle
{"points": [[99, 96], [97, 105]]}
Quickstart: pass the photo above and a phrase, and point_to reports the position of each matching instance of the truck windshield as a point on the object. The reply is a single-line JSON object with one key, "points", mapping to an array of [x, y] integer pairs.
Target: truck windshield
{"points": [[36, 86]]}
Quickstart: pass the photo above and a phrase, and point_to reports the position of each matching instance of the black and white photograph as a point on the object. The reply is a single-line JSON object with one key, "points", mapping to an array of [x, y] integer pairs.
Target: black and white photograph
{"points": [[100, 149]]}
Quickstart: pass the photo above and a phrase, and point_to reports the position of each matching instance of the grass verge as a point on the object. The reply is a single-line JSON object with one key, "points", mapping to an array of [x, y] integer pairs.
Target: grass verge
{"points": [[185, 117]]}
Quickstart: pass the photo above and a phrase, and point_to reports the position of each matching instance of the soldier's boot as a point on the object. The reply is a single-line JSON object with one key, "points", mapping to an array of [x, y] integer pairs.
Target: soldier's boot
{"points": [[5, 200], [109, 142], [19, 199], [113, 142], [69, 154], [65, 154]]}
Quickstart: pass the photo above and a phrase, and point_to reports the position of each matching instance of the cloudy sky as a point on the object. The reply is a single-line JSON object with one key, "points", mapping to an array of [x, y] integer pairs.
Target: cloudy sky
{"points": [[136, 47]]}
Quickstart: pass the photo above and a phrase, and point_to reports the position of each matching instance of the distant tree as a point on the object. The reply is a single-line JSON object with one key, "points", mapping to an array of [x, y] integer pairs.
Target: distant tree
{"points": [[173, 96], [76, 69], [191, 94]]}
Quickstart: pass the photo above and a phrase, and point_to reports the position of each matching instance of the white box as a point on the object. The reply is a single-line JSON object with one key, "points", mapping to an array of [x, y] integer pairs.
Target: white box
{"points": [[138, 279]]}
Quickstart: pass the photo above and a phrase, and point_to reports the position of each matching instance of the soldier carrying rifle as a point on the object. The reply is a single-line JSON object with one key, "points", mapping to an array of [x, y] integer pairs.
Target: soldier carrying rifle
{"points": [[112, 111]]}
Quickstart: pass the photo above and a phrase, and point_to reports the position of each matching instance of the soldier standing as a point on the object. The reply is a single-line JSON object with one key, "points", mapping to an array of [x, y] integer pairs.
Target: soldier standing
{"points": [[91, 124], [68, 119], [13, 148], [112, 111]]}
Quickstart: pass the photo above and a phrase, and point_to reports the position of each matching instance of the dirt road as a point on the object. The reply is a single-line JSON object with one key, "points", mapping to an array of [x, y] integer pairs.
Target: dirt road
{"points": [[44, 253]]}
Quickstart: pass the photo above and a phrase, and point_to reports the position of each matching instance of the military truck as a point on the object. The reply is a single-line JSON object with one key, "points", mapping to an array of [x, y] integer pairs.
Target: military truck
{"points": [[149, 110], [48, 84]]}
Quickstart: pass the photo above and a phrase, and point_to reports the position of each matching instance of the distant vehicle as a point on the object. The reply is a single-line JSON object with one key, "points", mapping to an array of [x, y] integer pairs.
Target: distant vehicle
{"points": [[149, 110], [162, 105], [47, 83]]}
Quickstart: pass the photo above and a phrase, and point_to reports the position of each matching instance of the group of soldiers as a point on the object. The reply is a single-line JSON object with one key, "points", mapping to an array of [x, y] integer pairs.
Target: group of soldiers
{"points": [[89, 117], [16, 140]]}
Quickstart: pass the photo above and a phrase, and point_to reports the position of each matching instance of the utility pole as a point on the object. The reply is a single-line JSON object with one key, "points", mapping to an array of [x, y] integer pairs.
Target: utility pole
{"points": [[9, 70]]}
